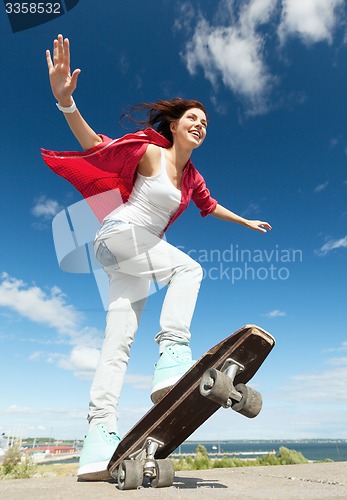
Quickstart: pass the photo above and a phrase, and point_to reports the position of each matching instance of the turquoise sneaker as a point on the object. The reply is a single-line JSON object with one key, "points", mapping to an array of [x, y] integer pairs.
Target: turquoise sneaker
{"points": [[174, 362], [99, 446]]}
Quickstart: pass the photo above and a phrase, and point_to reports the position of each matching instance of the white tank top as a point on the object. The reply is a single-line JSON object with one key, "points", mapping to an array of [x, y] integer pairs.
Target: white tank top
{"points": [[152, 202]]}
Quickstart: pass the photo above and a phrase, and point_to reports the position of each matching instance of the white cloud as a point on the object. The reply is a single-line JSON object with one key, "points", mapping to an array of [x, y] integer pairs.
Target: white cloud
{"points": [[233, 52], [277, 420], [31, 302], [311, 20], [50, 308], [124, 64], [185, 17], [332, 245], [276, 313], [46, 208], [324, 387], [141, 382], [35, 356], [56, 423], [231, 48], [82, 361], [252, 209], [321, 187], [338, 361], [342, 348], [18, 410]]}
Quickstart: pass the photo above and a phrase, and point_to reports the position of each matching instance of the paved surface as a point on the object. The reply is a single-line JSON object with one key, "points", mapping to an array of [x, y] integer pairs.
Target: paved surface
{"points": [[311, 481]]}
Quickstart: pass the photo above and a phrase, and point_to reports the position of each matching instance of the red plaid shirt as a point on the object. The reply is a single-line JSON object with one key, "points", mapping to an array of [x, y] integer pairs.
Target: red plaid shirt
{"points": [[112, 165]]}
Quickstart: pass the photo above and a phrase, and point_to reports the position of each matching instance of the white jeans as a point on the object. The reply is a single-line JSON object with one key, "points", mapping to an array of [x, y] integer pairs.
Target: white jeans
{"points": [[132, 258]]}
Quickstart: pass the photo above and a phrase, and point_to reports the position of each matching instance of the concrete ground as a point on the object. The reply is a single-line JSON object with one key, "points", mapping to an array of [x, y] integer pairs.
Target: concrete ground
{"points": [[311, 481]]}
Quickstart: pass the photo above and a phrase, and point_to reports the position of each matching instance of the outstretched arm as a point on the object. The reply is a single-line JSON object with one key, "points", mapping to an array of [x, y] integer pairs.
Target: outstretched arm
{"points": [[63, 84], [225, 214]]}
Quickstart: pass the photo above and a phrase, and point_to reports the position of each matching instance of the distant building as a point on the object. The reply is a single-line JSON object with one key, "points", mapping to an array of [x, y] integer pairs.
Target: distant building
{"points": [[51, 449]]}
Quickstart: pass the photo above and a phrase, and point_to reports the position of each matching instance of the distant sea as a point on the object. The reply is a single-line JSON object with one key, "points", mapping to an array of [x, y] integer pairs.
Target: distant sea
{"points": [[315, 450]]}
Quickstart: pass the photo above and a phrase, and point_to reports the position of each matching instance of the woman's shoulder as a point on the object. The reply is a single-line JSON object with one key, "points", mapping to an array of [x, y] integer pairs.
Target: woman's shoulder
{"points": [[152, 153], [150, 162]]}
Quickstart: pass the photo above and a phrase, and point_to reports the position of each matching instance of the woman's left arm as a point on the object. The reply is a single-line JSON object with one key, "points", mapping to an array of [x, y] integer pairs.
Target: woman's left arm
{"points": [[225, 214]]}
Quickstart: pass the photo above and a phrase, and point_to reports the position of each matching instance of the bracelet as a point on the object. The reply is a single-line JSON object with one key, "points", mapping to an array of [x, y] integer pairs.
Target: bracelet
{"points": [[67, 109]]}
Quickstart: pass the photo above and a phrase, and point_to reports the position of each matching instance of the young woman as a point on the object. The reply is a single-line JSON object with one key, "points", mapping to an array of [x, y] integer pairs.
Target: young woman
{"points": [[156, 179]]}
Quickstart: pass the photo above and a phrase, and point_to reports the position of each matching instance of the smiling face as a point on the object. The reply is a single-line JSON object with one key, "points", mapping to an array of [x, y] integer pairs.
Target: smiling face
{"points": [[190, 130]]}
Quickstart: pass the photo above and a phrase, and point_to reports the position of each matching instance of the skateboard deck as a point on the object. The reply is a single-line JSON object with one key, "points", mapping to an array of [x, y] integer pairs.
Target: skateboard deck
{"points": [[188, 404]]}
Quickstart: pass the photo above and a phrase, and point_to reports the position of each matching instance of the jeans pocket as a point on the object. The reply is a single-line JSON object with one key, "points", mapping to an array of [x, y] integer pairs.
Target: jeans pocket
{"points": [[106, 257]]}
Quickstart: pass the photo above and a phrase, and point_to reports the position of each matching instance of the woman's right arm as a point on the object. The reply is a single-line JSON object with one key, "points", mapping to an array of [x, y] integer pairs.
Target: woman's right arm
{"points": [[63, 85]]}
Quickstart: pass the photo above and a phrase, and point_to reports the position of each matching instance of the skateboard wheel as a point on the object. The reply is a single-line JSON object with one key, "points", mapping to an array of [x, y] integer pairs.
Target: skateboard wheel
{"points": [[130, 475], [251, 402], [216, 386], [165, 474]]}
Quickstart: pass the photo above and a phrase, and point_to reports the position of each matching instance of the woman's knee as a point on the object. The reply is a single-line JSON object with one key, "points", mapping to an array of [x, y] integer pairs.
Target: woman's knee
{"points": [[198, 270], [192, 270]]}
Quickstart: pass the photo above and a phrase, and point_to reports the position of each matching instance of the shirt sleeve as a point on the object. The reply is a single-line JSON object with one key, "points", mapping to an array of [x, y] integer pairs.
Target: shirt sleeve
{"points": [[201, 196]]}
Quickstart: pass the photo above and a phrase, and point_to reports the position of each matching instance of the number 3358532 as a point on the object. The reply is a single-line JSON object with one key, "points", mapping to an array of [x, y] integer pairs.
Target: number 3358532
{"points": [[33, 8]]}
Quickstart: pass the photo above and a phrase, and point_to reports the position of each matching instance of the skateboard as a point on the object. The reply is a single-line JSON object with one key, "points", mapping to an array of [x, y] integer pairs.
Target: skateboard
{"points": [[216, 380]]}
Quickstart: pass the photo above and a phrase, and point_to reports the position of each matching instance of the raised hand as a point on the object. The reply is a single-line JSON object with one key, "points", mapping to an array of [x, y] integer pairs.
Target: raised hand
{"points": [[259, 225], [62, 82]]}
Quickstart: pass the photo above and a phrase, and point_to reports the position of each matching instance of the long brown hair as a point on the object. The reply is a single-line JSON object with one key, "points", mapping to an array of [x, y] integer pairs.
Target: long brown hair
{"points": [[161, 113]]}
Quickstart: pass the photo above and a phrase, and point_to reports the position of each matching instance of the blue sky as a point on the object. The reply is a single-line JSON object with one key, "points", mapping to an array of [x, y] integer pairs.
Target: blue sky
{"points": [[272, 75]]}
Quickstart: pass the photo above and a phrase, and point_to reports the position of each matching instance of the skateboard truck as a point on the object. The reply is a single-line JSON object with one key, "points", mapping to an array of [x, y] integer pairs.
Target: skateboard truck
{"points": [[142, 464], [146, 454], [231, 367], [218, 386]]}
